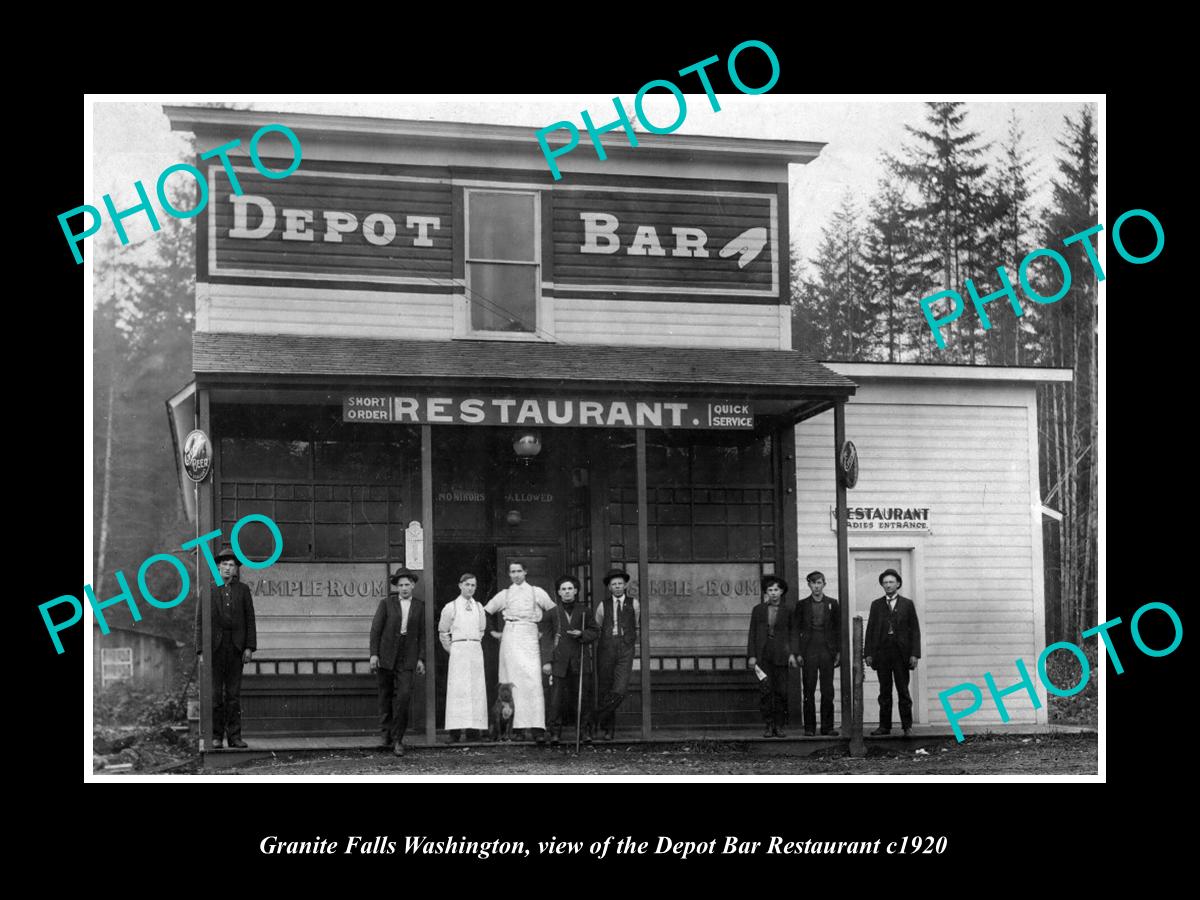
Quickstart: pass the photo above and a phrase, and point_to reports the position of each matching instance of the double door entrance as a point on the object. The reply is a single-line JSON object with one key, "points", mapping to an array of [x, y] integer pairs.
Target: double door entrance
{"points": [[489, 563]]}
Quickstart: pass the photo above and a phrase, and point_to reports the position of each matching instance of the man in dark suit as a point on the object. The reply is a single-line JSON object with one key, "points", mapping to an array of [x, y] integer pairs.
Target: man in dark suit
{"points": [[618, 619], [819, 623], [233, 643], [892, 647], [397, 650], [770, 651], [571, 628]]}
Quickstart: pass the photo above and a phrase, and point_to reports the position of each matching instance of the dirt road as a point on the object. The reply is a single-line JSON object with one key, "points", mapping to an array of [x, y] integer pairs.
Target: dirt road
{"points": [[1074, 754]]}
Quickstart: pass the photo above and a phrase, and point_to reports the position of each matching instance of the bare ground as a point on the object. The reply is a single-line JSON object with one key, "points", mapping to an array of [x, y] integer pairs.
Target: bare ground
{"points": [[1074, 754]]}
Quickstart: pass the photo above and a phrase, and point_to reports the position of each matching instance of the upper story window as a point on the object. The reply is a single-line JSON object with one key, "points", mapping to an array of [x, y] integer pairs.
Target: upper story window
{"points": [[503, 262]]}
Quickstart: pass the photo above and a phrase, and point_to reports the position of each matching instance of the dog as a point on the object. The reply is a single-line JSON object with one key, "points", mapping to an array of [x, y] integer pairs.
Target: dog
{"points": [[502, 714]]}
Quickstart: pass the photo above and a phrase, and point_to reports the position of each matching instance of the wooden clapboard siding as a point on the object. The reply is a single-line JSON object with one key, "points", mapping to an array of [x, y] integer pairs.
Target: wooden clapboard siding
{"points": [[268, 309], [964, 450], [265, 309], [656, 323]]}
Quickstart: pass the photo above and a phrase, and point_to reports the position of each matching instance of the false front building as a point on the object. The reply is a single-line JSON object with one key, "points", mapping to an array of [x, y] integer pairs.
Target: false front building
{"points": [[419, 349]]}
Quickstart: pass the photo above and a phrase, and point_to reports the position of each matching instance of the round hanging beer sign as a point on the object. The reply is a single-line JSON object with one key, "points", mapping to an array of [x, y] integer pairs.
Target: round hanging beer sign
{"points": [[848, 464], [197, 455]]}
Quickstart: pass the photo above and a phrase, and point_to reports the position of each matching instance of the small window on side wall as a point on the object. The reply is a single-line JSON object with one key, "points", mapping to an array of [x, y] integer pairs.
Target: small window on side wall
{"points": [[503, 262]]}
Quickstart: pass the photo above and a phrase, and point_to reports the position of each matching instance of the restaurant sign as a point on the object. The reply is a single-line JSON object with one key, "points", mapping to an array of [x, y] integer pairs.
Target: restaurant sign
{"points": [[883, 518], [450, 409]]}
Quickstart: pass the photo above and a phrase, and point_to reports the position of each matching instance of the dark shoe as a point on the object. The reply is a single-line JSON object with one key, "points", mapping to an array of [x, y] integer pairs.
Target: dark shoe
{"points": [[809, 732], [587, 733], [908, 732], [454, 736], [398, 749], [238, 742], [829, 732], [779, 732], [881, 730], [216, 743], [556, 737], [385, 743], [540, 736], [606, 734], [768, 731]]}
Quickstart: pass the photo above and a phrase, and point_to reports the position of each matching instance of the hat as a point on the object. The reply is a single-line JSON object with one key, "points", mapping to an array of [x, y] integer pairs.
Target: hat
{"points": [[615, 573], [886, 572], [567, 579], [227, 553], [403, 573], [768, 580]]}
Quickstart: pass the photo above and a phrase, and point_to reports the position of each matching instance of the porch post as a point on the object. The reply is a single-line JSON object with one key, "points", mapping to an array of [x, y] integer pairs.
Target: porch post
{"points": [[427, 573], [843, 562], [643, 527], [204, 524]]}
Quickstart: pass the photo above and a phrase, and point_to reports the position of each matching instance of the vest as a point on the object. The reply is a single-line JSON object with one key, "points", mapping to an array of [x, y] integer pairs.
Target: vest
{"points": [[627, 624]]}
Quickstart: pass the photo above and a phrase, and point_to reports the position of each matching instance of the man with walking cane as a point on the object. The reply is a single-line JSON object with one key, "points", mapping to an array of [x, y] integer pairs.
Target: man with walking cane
{"points": [[573, 628]]}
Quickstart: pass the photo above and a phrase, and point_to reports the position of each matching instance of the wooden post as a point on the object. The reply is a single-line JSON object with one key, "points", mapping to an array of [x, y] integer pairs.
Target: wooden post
{"points": [[643, 526], [787, 547], [600, 562], [204, 524], [843, 557], [427, 573], [857, 747]]}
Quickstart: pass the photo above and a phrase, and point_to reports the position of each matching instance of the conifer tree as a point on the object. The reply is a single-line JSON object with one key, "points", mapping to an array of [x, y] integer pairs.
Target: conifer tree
{"points": [[950, 214], [1011, 237], [895, 280], [1067, 412]]}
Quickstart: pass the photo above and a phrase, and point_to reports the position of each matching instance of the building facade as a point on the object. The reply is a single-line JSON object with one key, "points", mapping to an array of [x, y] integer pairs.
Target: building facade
{"points": [[419, 349]]}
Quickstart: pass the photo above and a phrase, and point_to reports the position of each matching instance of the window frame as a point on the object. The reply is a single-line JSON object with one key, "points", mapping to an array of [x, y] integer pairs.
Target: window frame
{"points": [[110, 659], [542, 324]]}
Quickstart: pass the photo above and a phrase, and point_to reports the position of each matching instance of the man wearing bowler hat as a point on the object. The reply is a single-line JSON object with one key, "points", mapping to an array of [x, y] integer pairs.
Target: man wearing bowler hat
{"points": [[571, 629], [892, 647], [397, 651], [233, 643], [618, 619], [770, 651]]}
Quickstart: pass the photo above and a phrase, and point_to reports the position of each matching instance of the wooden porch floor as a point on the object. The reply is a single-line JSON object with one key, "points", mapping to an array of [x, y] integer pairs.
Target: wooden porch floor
{"points": [[794, 744]]}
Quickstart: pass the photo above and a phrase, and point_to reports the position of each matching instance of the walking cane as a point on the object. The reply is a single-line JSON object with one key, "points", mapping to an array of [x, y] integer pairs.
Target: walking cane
{"points": [[579, 696]]}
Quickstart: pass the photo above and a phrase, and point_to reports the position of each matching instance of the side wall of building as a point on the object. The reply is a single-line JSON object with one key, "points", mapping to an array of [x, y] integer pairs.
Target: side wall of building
{"points": [[968, 453], [155, 660]]}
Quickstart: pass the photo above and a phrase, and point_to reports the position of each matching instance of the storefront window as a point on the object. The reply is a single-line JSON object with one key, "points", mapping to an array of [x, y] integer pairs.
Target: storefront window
{"points": [[712, 499], [502, 261], [334, 493]]}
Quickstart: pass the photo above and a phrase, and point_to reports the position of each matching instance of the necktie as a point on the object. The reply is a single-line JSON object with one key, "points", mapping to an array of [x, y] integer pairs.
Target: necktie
{"points": [[617, 617]]}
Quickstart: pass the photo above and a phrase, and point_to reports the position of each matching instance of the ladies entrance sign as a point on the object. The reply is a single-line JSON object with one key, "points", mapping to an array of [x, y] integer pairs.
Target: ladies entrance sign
{"points": [[574, 413]]}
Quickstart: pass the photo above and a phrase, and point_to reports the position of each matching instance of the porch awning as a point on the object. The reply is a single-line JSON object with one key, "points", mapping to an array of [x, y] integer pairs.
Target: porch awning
{"points": [[781, 374]]}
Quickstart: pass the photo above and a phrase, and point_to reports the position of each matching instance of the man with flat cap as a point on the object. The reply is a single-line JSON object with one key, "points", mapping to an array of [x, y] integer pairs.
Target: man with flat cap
{"points": [[618, 619], [818, 620], [770, 651], [397, 651], [233, 643], [892, 647], [572, 628]]}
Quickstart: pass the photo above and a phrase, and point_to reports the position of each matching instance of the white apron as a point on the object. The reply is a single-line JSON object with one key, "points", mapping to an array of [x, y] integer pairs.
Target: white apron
{"points": [[466, 686], [520, 653]]}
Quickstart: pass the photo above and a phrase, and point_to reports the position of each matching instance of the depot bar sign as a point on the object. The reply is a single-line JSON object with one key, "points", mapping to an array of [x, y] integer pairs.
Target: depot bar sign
{"points": [[566, 413]]}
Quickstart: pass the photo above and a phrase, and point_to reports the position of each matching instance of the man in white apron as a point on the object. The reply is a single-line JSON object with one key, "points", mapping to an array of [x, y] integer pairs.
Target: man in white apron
{"points": [[461, 629], [522, 605]]}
